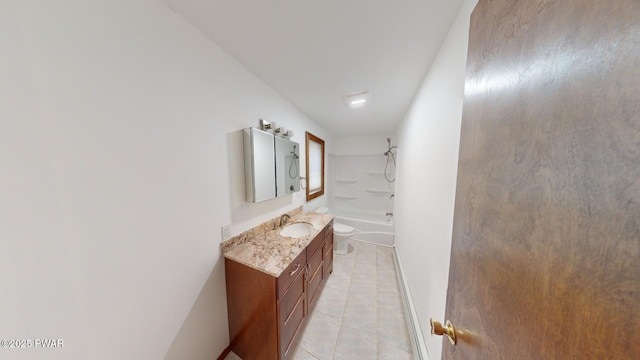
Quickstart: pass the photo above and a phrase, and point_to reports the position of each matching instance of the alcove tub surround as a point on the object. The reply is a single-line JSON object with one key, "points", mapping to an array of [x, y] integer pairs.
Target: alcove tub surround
{"points": [[273, 282]]}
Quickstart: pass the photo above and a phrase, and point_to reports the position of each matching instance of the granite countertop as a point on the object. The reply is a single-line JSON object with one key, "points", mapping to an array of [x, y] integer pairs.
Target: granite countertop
{"points": [[266, 250]]}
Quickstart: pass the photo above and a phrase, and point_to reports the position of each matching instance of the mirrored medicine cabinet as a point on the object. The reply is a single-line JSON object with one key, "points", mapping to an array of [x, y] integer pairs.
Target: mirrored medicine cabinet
{"points": [[271, 165]]}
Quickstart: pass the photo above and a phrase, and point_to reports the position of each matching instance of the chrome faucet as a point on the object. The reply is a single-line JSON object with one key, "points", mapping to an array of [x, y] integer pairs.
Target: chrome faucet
{"points": [[283, 219], [389, 214]]}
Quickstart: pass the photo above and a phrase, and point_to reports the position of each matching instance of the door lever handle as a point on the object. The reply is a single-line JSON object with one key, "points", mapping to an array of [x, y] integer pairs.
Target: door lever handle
{"points": [[447, 329]]}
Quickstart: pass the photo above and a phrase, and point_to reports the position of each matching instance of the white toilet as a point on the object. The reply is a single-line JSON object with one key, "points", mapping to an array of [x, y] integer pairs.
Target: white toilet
{"points": [[341, 234]]}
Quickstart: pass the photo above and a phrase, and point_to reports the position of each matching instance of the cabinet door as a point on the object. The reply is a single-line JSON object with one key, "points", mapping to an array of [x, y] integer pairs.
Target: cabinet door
{"points": [[316, 271], [291, 314], [327, 259], [314, 245]]}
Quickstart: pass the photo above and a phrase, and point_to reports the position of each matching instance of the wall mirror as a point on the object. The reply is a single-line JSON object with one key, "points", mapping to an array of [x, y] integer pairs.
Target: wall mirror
{"points": [[315, 166], [287, 167], [259, 165], [271, 165]]}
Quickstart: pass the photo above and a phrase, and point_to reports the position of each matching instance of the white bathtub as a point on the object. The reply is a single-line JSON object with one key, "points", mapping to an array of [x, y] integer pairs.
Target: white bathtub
{"points": [[369, 227]]}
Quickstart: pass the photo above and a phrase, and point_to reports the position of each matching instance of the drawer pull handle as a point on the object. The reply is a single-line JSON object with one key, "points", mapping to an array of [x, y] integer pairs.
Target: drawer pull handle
{"points": [[295, 270]]}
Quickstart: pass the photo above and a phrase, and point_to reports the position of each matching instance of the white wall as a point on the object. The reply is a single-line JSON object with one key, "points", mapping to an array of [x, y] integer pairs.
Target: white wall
{"points": [[361, 145], [428, 139], [120, 159]]}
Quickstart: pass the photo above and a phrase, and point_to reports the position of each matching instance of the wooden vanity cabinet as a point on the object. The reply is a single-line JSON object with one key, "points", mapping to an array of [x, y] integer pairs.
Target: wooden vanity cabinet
{"points": [[267, 314]]}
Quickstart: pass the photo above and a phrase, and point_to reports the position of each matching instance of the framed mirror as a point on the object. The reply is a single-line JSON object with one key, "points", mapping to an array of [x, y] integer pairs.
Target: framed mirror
{"points": [[315, 166]]}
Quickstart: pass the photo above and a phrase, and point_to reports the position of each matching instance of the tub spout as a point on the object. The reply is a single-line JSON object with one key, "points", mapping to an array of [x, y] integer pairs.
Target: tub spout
{"points": [[389, 214]]}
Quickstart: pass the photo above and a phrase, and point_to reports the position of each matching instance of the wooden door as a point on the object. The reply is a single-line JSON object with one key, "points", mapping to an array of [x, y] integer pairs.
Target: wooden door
{"points": [[545, 260]]}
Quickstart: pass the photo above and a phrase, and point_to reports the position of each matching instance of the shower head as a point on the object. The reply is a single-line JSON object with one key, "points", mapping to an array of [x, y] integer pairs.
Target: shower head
{"points": [[386, 153]]}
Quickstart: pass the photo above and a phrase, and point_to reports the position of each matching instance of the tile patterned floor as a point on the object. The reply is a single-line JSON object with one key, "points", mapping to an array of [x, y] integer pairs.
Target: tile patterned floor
{"points": [[359, 314]]}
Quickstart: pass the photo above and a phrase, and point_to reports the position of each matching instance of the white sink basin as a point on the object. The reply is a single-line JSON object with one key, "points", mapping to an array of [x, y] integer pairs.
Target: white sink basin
{"points": [[297, 230]]}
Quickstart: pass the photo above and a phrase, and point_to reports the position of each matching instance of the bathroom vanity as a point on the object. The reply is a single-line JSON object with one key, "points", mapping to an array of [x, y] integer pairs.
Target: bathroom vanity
{"points": [[273, 282]]}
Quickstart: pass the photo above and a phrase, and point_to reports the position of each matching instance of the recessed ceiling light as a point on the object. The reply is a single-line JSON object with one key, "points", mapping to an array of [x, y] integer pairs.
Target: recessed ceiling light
{"points": [[357, 100]]}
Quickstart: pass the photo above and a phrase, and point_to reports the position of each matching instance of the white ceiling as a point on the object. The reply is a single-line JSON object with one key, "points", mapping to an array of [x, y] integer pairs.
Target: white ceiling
{"points": [[314, 52]]}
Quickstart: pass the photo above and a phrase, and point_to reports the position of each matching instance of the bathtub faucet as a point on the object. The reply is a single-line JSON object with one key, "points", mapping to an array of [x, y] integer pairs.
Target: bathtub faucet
{"points": [[389, 214]]}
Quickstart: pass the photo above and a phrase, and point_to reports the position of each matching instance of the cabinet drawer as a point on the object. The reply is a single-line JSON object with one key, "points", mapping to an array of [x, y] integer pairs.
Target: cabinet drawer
{"points": [[291, 313], [288, 301], [291, 272]]}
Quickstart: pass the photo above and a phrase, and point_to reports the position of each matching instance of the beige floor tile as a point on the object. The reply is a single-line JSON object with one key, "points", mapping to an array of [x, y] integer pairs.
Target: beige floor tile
{"points": [[354, 344], [339, 281], [302, 354], [361, 308], [332, 302], [392, 331], [367, 290], [343, 266], [388, 352], [320, 336], [384, 265], [389, 275]]}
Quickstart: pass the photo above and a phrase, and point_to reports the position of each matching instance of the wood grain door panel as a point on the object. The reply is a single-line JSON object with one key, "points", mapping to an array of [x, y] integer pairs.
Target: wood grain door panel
{"points": [[546, 239], [316, 272], [314, 245], [327, 258]]}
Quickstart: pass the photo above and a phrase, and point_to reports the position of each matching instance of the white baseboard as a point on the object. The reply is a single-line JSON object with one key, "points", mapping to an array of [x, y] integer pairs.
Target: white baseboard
{"points": [[415, 332]]}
